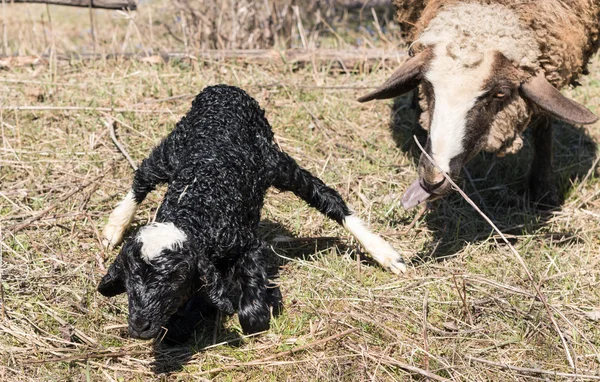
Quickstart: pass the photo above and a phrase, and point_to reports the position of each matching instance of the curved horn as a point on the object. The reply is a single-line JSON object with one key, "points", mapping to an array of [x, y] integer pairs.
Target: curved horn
{"points": [[547, 97], [405, 79]]}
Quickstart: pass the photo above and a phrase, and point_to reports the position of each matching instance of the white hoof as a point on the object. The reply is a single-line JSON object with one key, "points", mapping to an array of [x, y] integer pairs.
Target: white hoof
{"points": [[397, 266], [378, 248], [119, 221], [112, 235]]}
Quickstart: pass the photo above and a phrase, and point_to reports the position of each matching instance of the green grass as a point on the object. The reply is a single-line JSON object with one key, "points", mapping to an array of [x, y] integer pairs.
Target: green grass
{"points": [[480, 303]]}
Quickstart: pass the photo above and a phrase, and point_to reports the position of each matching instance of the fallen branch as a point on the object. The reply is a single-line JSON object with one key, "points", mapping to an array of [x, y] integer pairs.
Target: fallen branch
{"points": [[86, 356], [82, 108], [113, 136], [425, 336], [538, 291], [102, 4], [527, 370], [279, 355], [346, 58]]}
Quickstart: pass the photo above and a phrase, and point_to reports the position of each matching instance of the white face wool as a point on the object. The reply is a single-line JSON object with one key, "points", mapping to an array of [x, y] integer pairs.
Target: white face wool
{"points": [[474, 27], [157, 237], [456, 89], [465, 38]]}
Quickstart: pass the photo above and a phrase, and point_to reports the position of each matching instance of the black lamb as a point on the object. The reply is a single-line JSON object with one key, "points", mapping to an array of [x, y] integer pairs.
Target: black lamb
{"points": [[203, 250]]}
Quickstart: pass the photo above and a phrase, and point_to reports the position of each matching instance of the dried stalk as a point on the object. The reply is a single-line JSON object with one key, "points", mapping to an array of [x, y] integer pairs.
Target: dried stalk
{"points": [[113, 136], [527, 370], [279, 355], [18, 227], [538, 291]]}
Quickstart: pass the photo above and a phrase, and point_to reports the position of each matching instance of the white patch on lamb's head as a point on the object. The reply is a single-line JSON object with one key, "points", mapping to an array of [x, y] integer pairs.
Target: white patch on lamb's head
{"points": [[157, 237]]}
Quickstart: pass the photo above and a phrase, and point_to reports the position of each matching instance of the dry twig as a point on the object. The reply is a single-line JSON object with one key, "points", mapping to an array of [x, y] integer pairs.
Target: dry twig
{"points": [[538, 291], [281, 354], [113, 136], [425, 337], [527, 370], [18, 227], [83, 108], [392, 362]]}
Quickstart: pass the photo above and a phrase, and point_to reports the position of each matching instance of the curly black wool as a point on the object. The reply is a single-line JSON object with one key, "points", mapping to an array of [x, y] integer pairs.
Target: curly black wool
{"points": [[218, 163]]}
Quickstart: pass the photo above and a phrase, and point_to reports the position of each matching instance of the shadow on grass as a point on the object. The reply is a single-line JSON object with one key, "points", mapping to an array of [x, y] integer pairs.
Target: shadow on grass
{"points": [[197, 327], [499, 186]]}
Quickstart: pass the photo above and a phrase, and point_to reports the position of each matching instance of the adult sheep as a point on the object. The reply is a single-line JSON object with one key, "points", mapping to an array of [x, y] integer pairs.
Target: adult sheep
{"points": [[487, 69]]}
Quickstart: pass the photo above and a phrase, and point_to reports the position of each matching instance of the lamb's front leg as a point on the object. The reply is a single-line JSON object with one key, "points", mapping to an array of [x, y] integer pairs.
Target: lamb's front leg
{"points": [[154, 170], [542, 185], [254, 313], [119, 220]]}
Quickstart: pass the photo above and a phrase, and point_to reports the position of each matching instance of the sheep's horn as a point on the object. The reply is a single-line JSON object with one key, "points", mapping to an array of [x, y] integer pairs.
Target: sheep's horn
{"points": [[548, 98], [405, 79]]}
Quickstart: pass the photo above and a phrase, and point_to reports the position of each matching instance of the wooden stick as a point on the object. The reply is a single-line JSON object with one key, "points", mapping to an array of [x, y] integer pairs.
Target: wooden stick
{"points": [[348, 57], [83, 357], [463, 297], [4, 29], [538, 291], [3, 310], [102, 4], [113, 136], [82, 108], [534, 371], [81, 335], [91, 12], [425, 336], [279, 355]]}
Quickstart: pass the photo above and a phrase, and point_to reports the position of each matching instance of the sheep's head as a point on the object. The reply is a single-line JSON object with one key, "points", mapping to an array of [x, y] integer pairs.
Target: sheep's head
{"points": [[161, 270], [479, 89]]}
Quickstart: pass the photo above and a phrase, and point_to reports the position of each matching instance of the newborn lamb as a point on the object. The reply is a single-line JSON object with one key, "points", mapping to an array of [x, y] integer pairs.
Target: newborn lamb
{"points": [[203, 251]]}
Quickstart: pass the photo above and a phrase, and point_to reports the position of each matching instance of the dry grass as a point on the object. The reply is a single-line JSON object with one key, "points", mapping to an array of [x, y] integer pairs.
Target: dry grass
{"points": [[465, 297], [187, 25]]}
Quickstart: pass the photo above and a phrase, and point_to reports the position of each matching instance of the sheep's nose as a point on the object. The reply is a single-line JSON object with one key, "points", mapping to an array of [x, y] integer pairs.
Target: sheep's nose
{"points": [[432, 187], [139, 324]]}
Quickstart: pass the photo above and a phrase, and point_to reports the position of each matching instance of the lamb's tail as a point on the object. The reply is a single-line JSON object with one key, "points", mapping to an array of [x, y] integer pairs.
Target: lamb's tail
{"points": [[291, 177]]}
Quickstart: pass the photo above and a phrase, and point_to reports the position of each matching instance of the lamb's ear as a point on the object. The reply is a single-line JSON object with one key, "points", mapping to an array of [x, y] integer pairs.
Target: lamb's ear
{"points": [[548, 98], [213, 285], [405, 79], [113, 282]]}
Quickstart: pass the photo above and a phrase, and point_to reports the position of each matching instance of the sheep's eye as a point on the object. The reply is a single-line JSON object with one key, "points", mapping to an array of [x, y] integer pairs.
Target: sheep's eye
{"points": [[502, 93]]}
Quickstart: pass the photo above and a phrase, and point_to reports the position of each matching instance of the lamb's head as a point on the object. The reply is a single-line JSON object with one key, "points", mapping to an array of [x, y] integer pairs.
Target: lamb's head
{"points": [[159, 270], [479, 84]]}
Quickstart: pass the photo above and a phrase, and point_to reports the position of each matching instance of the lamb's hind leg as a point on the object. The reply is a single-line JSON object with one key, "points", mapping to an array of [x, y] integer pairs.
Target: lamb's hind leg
{"points": [[291, 177], [542, 185], [254, 313]]}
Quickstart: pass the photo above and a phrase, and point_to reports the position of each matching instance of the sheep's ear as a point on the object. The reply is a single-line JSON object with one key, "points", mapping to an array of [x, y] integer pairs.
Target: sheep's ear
{"points": [[405, 79], [113, 282], [548, 98]]}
